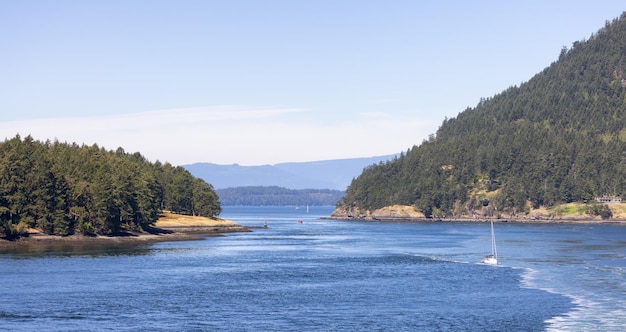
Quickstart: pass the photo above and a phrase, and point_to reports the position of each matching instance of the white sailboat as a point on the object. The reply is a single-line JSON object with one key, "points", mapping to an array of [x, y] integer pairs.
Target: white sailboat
{"points": [[492, 259]]}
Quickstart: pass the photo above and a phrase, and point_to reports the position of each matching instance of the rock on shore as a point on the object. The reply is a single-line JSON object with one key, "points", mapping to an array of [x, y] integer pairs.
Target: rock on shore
{"points": [[394, 212]]}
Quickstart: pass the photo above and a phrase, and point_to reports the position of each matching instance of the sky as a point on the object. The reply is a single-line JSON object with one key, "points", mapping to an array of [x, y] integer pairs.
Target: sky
{"points": [[263, 82]]}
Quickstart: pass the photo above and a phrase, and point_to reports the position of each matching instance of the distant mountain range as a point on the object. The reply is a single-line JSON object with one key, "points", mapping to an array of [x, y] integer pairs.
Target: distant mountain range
{"points": [[327, 174]]}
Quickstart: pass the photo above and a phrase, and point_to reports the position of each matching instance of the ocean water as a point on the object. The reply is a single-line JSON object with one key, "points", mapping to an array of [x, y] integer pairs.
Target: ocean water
{"points": [[323, 275]]}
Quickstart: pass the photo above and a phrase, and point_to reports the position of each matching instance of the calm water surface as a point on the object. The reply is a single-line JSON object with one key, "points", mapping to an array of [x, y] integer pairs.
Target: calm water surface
{"points": [[322, 275]]}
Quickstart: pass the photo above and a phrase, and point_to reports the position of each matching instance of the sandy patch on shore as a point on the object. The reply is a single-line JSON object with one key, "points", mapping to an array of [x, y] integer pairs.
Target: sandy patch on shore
{"points": [[169, 219]]}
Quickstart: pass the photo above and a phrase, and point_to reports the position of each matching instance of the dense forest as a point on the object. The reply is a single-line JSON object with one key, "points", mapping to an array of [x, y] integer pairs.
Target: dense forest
{"points": [[64, 189], [278, 196], [559, 137]]}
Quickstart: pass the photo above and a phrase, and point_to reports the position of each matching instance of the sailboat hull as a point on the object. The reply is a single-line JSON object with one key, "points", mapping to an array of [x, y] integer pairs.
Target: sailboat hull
{"points": [[490, 259]]}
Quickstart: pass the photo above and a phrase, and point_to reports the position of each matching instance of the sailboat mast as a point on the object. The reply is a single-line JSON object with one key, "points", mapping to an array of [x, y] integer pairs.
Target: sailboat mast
{"points": [[493, 242]]}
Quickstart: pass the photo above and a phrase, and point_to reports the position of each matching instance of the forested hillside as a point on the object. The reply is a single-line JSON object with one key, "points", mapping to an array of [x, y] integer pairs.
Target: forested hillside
{"points": [[64, 188], [278, 196], [558, 138]]}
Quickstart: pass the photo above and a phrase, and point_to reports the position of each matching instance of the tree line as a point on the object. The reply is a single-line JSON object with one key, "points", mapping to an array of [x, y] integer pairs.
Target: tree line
{"points": [[558, 138], [278, 196], [65, 189]]}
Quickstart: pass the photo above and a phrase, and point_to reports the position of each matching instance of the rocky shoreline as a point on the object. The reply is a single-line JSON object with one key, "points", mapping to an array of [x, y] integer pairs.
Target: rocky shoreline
{"points": [[401, 213], [480, 220]]}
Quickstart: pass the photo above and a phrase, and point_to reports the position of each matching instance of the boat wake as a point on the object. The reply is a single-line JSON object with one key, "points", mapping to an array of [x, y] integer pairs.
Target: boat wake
{"points": [[586, 315], [460, 259]]}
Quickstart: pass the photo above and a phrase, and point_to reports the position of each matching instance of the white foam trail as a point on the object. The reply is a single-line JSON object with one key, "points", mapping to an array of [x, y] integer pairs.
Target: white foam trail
{"points": [[528, 278], [586, 315]]}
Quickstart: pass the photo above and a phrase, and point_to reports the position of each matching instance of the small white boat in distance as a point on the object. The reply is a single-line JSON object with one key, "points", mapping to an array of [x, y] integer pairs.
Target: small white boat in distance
{"points": [[492, 259]]}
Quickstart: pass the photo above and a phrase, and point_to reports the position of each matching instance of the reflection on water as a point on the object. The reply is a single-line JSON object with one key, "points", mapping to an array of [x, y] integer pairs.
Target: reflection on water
{"points": [[71, 249]]}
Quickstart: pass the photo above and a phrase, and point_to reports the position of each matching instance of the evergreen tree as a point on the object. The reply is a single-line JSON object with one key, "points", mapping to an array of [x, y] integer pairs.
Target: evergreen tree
{"points": [[63, 189]]}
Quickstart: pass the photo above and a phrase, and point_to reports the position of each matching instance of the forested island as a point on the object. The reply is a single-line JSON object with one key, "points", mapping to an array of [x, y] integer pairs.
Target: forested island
{"points": [[559, 138], [63, 189], [278, 196]]}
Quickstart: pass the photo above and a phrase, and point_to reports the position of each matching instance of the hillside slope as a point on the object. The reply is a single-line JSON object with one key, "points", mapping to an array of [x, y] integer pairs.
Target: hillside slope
{"points": [[558, 138]]}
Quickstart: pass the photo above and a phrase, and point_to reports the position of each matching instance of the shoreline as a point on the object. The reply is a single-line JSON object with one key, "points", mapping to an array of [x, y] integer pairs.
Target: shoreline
{"points": [[570, 213], [184, 229], [573, 221], [170, 228]]}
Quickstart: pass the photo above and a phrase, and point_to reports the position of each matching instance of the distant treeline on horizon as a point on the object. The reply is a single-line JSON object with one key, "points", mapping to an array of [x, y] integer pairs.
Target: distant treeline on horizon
{"points": [[278, 196]]}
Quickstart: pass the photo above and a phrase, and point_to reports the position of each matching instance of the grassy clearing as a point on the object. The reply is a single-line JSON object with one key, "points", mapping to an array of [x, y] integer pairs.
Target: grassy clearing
{"points": [[579, 210], [568, 210], [398, 211], [619, 210]]}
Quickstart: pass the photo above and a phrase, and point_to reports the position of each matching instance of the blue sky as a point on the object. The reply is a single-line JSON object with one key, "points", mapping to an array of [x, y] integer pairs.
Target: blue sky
{"points": [[263, 82]]}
